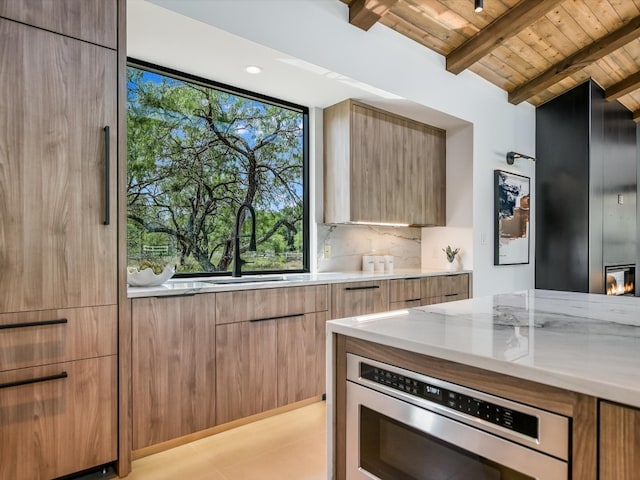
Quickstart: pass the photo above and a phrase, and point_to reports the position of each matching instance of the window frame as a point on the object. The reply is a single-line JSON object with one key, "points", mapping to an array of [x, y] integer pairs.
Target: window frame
{"points": [[205, 82]]}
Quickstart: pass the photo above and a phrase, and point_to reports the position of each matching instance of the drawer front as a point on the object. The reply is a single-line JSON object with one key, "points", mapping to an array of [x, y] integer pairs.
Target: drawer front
{"points": [[404, 290], [359, 298], [406, 304], [445, 285], [55, 427], [262, 304], [30, 339]]}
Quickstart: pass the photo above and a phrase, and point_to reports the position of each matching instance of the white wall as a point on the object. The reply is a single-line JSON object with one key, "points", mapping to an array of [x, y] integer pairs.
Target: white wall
{"points": [[318, 32]]}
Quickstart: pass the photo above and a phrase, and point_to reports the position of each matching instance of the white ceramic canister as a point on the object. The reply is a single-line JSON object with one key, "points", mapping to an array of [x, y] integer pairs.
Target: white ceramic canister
{"points": [[379, 261], [388, 263], [368, 263]]}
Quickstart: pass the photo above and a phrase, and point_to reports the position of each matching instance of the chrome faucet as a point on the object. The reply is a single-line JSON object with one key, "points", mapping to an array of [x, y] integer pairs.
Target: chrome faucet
{"points": [[237, 261]]}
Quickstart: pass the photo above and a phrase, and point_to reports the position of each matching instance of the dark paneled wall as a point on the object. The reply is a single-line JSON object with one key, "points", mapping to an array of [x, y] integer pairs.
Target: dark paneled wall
{"points": [[586, 156]]}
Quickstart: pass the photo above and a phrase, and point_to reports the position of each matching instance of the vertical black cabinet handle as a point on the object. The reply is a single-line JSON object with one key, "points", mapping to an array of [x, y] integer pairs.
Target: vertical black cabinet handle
{"points": [[107, 175]]}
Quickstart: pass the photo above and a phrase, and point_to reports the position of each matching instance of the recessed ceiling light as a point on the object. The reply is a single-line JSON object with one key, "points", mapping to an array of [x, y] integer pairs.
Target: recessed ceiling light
{"points": [[253, 69]]}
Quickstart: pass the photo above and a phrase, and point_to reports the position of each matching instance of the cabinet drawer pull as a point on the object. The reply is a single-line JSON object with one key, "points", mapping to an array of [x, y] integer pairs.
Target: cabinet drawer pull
{"points": [[107, 176], [412, 299], [34, 380], [276, 318], [368, 287], [34, 324], [451, 294]]}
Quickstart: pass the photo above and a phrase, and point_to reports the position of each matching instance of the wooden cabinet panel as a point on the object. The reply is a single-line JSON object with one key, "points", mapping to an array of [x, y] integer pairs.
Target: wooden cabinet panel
{"points": [[444, 288], [424, 199], [404, 290], [246, 377], [245, 305], [402, 161], [173, 367], [300, 364], [619, 442], [56, 96], [359, 298], [49, 336], [377, 166], [93, 21], [56, 427]]}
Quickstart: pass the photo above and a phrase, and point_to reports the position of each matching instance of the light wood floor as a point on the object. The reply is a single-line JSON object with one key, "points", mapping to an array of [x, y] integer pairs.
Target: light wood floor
{"points": [[291, 445]]}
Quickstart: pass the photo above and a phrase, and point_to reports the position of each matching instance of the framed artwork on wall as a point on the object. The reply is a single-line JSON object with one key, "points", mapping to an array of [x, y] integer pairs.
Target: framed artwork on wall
{"points": [[511, 220]]}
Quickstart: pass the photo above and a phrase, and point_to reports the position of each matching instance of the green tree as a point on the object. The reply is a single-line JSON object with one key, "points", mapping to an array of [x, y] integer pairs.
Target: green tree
{"points": [[196, 154]]}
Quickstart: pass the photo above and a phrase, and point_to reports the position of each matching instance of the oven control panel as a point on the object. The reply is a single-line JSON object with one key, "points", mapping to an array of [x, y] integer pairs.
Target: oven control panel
{"points": [[489, 412]]}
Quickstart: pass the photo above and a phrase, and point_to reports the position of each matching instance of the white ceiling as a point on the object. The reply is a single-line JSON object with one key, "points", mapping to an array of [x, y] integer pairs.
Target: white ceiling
{"points": [[158, 35]]}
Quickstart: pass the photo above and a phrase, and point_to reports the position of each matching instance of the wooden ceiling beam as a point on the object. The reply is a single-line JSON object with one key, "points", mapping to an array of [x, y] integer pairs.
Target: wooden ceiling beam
{"points": [[365, 13], [573, 63], [636, 116], [623, 87], [502, 28]]}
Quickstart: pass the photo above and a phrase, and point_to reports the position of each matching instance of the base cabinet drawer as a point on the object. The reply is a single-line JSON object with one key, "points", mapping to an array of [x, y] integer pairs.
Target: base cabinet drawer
{"points": [[58, 419], [359, 298], [444, 288], [29, 339]]}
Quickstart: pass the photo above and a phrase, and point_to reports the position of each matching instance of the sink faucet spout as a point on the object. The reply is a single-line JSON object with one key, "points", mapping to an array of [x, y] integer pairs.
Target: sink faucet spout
{"points": [[237, 261]]}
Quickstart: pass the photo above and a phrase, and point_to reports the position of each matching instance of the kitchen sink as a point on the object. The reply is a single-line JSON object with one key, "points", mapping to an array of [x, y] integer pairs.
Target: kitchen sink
{"points": [[248, 279]]}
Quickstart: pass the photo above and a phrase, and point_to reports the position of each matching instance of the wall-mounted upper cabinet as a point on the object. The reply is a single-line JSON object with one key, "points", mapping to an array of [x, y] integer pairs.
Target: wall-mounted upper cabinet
{"points": [[94, 22], [382, 168]]}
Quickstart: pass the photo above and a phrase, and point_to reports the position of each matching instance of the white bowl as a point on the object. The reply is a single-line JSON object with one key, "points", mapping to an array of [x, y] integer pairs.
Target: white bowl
{"points": [[146, 277]]}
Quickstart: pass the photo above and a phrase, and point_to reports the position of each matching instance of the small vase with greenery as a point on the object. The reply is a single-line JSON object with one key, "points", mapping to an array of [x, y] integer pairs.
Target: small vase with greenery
{"points": [[451, 256]]}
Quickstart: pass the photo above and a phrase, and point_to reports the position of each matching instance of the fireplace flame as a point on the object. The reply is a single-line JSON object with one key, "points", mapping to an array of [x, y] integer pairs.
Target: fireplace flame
{"points": [[621, 289]]}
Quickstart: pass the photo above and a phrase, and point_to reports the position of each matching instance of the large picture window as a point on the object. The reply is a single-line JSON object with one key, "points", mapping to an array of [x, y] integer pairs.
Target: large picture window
{"points": [[197, 151]]}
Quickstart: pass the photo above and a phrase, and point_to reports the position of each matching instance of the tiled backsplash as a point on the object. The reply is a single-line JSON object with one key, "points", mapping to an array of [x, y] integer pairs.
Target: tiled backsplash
{"points": [[348, 243]]}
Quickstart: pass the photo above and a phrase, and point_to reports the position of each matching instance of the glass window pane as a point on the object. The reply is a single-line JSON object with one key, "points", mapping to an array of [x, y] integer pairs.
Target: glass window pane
{"points": [[195, 154]]}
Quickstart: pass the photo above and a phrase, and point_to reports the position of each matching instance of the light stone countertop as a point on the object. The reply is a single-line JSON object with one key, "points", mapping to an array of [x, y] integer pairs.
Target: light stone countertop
{"points": [[585, 343], [188, 286]]}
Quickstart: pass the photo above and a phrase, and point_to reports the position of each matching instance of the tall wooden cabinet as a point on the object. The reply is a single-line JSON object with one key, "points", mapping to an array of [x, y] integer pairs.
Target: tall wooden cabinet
{"points": [[58, 236], [382, 168]]}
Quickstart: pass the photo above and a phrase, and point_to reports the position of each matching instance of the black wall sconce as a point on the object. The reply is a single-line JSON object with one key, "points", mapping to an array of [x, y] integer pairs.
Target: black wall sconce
{"points": [[511, 157]]}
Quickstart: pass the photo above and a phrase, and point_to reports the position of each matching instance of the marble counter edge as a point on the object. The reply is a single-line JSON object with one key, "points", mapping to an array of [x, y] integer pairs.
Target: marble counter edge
{"points": [[321, 278], [595, 388]]}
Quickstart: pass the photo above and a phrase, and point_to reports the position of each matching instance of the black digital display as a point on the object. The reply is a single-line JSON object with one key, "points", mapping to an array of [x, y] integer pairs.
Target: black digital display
{"points": [[496, 414]]}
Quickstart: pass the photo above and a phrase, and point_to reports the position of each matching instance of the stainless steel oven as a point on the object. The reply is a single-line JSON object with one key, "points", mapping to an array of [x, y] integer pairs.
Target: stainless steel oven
{"points": [[402, 425]]}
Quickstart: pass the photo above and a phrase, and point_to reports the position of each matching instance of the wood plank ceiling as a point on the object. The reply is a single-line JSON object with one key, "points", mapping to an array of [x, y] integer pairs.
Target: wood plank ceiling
{"points": [[533, 49]]}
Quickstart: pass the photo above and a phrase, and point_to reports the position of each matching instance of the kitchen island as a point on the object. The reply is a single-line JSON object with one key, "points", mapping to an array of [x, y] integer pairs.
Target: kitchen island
{"points": [[576, 355]]}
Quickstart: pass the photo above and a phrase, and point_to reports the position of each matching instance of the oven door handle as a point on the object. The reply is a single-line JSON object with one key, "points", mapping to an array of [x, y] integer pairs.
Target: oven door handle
{"points": [[504, 452]]}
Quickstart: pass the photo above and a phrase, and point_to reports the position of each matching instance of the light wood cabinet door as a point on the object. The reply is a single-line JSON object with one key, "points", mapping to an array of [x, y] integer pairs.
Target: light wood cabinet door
{"points": [[619, 442], [377, 166], [381, 167], [444, 288], [423, 161], [246, 366], [56, 96], [29, 339], [173, 367], [359, 298], [57, 426], [301, 357], [93, 21]]}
